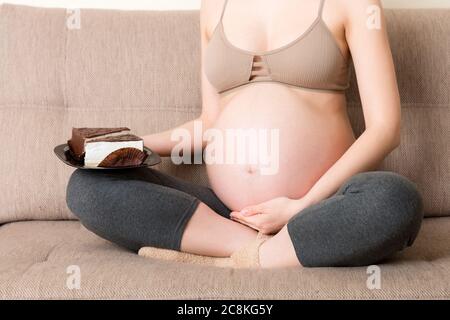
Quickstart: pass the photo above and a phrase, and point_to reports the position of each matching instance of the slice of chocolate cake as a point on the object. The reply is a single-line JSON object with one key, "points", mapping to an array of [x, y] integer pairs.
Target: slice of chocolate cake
{"points": [[106, 147], [80, 136]]}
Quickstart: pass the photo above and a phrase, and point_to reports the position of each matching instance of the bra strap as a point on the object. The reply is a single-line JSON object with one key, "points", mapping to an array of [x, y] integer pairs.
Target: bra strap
{"points": [[223, 10], [322, 3]]}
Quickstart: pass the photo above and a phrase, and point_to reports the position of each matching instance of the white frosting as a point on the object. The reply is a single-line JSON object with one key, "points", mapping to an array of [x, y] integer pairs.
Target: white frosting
{"points": [[97, 151]]}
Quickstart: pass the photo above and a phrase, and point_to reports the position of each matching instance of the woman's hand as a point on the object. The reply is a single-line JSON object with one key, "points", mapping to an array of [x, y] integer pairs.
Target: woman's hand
{"points": [[270, 216]]}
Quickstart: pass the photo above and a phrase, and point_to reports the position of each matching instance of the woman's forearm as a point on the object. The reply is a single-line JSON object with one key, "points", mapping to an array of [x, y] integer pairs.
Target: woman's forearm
{"points": [[365, 154], [163, 144]]}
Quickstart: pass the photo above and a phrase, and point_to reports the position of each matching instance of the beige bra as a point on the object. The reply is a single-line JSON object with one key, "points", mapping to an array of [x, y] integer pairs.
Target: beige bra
{"points": [[313, 60]]}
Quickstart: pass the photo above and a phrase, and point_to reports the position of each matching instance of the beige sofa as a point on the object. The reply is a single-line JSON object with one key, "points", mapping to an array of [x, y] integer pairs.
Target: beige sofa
{"points": [[142, 69]]}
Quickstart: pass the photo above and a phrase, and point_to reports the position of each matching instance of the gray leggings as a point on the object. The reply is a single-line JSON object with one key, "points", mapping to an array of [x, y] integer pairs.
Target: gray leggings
{"points": [[372, 215]]}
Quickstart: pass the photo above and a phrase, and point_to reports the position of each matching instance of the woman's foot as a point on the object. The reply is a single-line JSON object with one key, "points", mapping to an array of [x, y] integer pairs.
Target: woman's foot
{"points": [[210, 234], [183, 257], [248, 255], [245, 257], [278, 252]]}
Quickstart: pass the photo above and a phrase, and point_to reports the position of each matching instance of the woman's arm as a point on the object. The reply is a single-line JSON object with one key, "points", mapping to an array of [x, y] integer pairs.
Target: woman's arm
{"points": [[380, 99], [161, 142]]}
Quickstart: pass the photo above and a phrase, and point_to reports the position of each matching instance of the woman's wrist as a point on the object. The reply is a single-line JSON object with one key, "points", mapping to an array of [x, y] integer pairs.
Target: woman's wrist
{"points": [[298, 205]]}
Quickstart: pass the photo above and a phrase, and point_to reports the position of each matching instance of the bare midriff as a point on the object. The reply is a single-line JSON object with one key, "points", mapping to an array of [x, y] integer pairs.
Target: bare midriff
{"points": [[314, 132]]}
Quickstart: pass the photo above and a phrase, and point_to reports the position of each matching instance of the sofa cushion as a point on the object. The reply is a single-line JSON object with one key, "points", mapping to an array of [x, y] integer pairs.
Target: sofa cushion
{"points": [[142, 70], [35, 257]]}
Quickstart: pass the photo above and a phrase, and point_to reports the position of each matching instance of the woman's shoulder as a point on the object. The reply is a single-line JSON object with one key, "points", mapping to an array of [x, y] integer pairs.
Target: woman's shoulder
{"points": [[355, 9], [210, 13]]}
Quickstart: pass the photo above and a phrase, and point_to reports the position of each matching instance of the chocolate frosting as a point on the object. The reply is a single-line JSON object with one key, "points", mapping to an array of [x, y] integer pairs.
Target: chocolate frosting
{"points": [[122, 137], [96, 132]]}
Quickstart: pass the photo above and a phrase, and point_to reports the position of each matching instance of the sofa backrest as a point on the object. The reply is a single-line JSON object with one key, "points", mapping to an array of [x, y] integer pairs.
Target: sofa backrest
{"points": [[142, 70]]}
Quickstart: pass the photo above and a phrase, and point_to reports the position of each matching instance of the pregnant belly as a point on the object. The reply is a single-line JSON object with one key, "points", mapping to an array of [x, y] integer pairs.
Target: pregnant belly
{"points": [[273, 149]]}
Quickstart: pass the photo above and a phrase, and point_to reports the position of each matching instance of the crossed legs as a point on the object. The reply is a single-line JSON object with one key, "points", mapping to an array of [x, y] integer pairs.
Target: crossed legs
{"points": [[373, 215]]}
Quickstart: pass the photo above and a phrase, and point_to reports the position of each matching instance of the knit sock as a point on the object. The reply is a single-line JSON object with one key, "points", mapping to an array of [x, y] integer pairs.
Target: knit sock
{"points": [[248, 255], [183, 257], [245, 257]]}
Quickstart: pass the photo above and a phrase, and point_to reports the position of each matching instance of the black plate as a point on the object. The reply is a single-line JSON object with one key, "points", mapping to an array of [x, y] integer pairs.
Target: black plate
{"points": [[62, 152]]}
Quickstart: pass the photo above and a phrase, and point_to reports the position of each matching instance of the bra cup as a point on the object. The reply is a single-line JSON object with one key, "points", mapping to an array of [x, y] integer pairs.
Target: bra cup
{"points": [[226, 68], [314, 62]]}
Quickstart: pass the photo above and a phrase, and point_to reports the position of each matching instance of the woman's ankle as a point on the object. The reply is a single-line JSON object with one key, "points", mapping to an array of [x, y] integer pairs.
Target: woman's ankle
{"points": [[278, 252]]}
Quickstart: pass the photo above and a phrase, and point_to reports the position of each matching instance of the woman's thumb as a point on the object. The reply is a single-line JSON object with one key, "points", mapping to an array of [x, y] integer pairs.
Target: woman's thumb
{"points": [[250, 211]]}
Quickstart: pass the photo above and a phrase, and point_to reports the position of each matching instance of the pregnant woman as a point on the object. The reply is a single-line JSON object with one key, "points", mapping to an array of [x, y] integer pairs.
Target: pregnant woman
{"points": [[283, 66]]}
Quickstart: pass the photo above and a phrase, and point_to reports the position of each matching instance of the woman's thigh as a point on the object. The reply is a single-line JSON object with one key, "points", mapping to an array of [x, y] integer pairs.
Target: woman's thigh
{"points": [[203, 193], [136, 208], [371, 216]]}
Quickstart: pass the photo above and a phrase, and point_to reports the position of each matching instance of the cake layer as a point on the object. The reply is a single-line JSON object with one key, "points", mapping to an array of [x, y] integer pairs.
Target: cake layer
{"points": [[97, 151], [82, 135]]}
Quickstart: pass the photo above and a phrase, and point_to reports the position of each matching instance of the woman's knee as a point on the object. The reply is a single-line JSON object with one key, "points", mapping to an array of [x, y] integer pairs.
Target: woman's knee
{"points": [[129, 212], [374, 215], [98, 200], [77, 194], [91, 197], [408, 204], [394, 194]]}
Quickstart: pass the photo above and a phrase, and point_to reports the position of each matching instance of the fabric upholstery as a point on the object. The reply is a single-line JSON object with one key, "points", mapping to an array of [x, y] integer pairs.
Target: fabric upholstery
{"points": [[34, 257], [141, 69]]}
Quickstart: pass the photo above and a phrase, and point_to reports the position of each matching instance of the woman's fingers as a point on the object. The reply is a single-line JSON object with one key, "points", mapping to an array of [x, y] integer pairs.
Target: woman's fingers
{"points": [[239, 218], [250, 211], [239, 215], [246, 224]]}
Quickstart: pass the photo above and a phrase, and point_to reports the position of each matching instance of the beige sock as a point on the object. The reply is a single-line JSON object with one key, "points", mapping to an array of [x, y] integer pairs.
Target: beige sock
{"points": [[246, 257], [184, 257]]}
